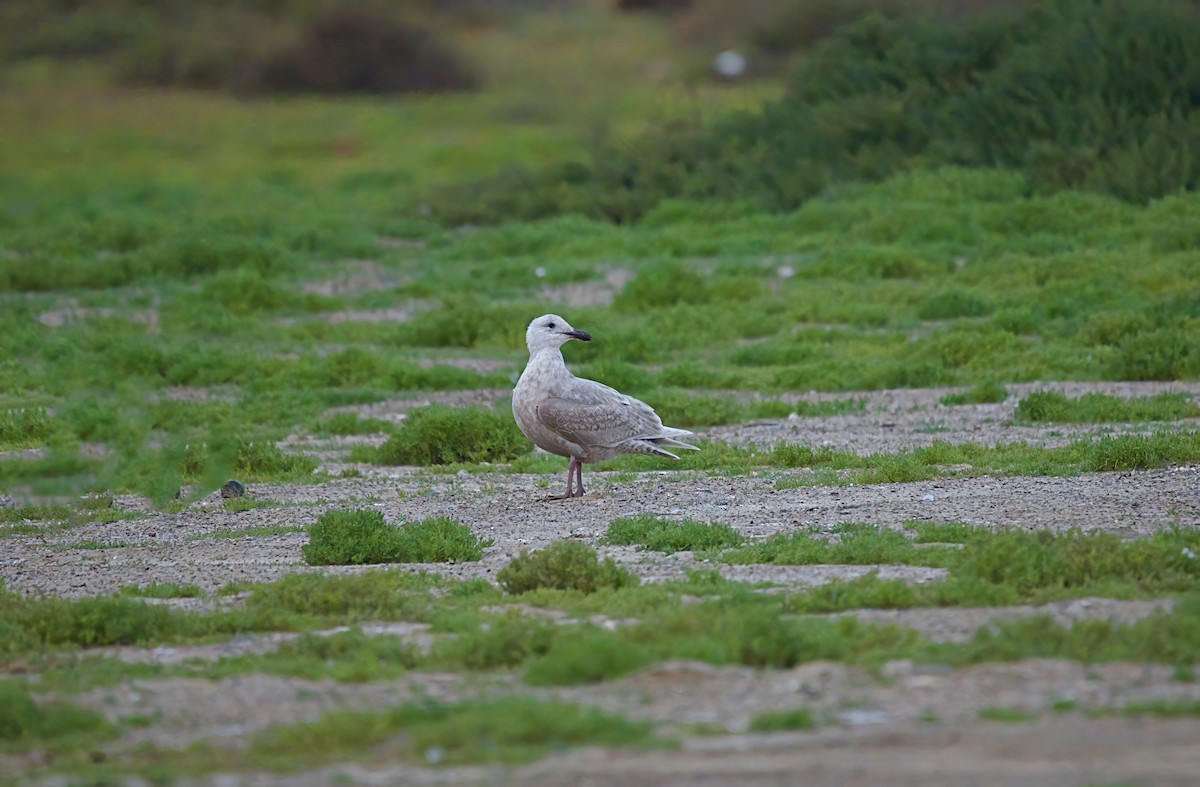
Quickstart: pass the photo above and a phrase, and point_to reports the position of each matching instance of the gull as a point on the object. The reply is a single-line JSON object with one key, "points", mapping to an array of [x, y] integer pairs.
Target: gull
{"points": [[582, 419]]}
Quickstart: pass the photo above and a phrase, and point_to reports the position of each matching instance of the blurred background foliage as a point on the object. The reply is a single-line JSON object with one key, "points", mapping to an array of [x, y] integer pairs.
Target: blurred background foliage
{"points": [[1083, 94]]}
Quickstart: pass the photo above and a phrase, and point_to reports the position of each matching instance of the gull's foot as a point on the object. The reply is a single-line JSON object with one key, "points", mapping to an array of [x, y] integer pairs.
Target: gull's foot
{"points": [[568, 496]]}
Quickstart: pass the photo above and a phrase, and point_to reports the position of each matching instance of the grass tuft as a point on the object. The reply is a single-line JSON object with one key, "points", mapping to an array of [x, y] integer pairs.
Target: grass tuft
{"points": [[24, 428], [355, 537], [563, 565], [162, 590], [779, 720], [988, 392], [507, 730], [669, 536], [853, 544], [1007, 715], [439, 435], [25, 724], [1054, 407]]}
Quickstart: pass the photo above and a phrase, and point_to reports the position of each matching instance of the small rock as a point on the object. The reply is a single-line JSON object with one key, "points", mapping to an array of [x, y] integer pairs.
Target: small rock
{"points": [[6, 501], [233, 488], [928, 498]]}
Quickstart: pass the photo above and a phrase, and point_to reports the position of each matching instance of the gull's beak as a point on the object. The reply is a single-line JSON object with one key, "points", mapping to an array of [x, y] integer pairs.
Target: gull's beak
{"points": [[582, 336]]}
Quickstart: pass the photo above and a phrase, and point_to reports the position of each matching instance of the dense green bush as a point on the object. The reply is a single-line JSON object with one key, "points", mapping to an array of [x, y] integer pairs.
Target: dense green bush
{"points": [[1052, 406], [1066, 91], [563, 565], [355, 50], [353, 537], [440, 435]]}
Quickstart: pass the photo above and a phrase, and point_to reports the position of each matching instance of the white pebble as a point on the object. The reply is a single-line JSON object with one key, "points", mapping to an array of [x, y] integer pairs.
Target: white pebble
{"points": [[730, 64]]}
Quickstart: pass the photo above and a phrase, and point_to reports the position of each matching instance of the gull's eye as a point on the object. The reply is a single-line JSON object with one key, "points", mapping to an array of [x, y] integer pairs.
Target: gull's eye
{"points": [[551, 325]]}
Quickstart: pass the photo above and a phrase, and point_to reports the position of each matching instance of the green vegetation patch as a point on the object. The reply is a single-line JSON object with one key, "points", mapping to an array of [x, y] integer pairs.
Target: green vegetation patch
{"points": [[346, 656], [1163, 707], [250, 531], [988, 392], [1007, 715], [1164, 637], [357, 536], [852, 544], [563, 565], [294, 602], [1054, 407], [24, 428], [506, 730], [887, 94], [439, 435], [59, 726], [43, 513], [353, 424], [779, 720], [162, 590], [239, 504], [1010, 567], [668, 535], [1107, 453]]}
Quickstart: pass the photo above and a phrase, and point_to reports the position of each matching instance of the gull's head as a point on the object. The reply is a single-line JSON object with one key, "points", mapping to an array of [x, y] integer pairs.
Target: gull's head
{"points": [[551, 332]]}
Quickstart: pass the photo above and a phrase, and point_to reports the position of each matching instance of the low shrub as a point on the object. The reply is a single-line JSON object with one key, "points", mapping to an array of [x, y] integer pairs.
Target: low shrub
{"points": [[563, 565], [27, 723], [1052, 406], [352, 49], [666, 535], [989, 392], [439, 435], [354, 537]]}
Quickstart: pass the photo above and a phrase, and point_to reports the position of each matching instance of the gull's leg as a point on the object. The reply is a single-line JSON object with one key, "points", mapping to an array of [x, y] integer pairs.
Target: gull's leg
{"points": [[574, 471], [570, 478]]}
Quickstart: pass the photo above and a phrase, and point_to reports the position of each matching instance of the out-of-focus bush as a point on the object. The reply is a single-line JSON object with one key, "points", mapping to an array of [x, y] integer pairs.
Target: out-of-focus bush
{"points": [[354, 50], [771, 32], [661, 6], [255, 46], [1070, 93]]}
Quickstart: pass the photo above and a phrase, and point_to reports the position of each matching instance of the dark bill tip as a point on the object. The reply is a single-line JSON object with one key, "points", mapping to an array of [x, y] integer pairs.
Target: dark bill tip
{"points": [[582, 336]]}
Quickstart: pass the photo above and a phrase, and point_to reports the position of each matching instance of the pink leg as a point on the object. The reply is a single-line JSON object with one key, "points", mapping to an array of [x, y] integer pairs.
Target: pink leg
{"points": [[574, 472], [571, 477]]}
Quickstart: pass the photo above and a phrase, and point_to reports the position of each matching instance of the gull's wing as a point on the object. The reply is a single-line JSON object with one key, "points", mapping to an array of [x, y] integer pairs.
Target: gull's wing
{"points": [[589, 413]]}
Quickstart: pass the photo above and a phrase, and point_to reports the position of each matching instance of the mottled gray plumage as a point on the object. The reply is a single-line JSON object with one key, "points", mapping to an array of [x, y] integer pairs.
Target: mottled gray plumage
{"points": [[582, 419]]}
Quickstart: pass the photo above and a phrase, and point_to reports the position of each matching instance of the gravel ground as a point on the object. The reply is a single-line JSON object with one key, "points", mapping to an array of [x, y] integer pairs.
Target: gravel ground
{"points": [[918, 727]]}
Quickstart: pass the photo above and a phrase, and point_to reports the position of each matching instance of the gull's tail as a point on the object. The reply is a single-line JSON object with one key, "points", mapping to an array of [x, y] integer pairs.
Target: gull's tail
{"points": [[667, 439]]}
